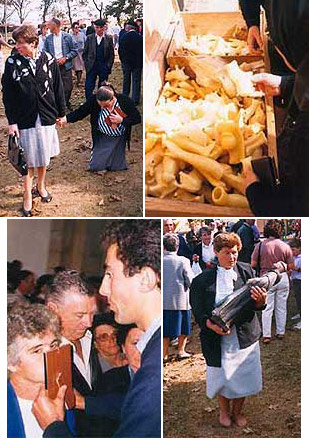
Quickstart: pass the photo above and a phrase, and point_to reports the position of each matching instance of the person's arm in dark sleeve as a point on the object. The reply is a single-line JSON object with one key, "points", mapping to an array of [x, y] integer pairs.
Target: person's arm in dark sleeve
{"points": [[261, 201], [8, 94], [81, 112], [133, 116], [197, 302], [73, 46], [57, 430], [251, 12], [287, 86], [108, 405], [58, 91]]}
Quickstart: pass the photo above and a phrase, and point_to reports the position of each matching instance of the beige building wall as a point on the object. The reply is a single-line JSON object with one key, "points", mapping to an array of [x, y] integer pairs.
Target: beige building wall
{"points": [[28, 241]]}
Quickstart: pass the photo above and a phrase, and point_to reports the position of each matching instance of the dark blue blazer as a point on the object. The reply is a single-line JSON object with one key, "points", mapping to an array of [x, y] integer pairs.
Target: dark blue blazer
{"points": [[15, 424], [141, 412]]}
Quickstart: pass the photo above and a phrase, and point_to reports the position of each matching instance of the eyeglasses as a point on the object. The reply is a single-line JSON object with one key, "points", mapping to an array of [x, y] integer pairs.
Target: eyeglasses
{"points": [[105, 337]]}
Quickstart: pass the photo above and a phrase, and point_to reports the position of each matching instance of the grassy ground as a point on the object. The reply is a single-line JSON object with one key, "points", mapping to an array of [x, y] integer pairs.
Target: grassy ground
{"points": [[76, 191], [275, 412]]}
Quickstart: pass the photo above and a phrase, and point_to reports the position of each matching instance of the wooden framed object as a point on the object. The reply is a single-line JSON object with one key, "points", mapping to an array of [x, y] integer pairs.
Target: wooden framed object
{"points": [[202, 23], [58, 372], [158, 57]]}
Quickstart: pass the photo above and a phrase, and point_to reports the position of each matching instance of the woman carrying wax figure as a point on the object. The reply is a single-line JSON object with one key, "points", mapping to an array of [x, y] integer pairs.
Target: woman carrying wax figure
{"points": [[111, 118], [32, 330], [33, 98], [233, 358]]}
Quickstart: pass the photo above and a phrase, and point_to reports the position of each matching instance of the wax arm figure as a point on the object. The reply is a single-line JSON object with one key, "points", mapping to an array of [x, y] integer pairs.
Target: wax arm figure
{"points": [[202, 300]]}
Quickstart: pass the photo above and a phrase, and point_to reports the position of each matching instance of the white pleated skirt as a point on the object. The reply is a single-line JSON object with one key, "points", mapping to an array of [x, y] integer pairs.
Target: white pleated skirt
{"points": [[240, 374], [40, 143]]}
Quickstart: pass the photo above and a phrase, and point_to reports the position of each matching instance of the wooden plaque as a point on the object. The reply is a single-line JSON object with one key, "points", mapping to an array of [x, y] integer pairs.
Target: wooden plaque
{"points": [[58, 372]]}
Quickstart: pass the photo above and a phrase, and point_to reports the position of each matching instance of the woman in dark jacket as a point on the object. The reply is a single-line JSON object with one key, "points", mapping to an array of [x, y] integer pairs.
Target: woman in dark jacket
{"points": [[33, 98], [111, 118], [233, 358]]}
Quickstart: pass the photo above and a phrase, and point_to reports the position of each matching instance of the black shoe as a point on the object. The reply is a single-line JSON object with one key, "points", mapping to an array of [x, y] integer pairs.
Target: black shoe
{"points": [[36, 193], [47, 198], [25, 212]]}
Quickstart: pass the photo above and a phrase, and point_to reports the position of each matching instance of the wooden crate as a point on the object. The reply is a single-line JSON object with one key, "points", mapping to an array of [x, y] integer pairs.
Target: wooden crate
{"points": [[202, 23], [156, 56]]}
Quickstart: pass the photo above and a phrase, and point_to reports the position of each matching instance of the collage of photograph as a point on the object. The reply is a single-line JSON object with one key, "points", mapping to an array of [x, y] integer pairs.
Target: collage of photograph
{"points": [[160, 152]]}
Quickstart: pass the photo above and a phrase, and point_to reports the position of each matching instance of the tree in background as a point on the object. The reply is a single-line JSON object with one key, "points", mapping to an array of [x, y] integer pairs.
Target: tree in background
{"points": [[22, 8], [99, 6], [45, 6], [127, 8]]}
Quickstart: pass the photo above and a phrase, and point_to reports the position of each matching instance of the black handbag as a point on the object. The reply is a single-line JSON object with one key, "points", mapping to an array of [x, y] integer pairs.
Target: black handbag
{"points": [[228, 311], [16, 155]]}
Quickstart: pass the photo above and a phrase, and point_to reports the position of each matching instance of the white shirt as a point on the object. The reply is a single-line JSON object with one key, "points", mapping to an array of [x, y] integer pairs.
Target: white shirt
{"points": [[32, 427], [147, 335], [83, 367], [58, 46], [99, 39], [297, 263], [207, 252], [224, 283]]}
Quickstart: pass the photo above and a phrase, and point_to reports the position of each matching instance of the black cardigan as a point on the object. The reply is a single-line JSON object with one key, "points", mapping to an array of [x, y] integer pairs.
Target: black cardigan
{"points": [[26, 95], [202, 300], [92, 108]]}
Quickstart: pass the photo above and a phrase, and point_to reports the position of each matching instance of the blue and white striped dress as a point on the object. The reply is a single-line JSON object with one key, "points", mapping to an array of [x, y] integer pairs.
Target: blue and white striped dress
{"points": [[240, 374], [109, 147]]}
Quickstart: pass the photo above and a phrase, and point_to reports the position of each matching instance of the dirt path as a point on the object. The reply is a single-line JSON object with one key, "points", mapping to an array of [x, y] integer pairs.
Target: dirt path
{"points": [[76, 191], [275, 412]]}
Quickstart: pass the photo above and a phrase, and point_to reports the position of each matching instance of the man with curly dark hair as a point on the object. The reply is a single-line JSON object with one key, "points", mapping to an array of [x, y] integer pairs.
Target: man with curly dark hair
{"points": [[132, 285]]}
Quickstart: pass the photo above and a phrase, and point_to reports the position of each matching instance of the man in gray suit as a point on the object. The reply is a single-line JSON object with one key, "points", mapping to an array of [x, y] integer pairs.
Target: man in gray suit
{"points": [[62, 46], [98, 56]]}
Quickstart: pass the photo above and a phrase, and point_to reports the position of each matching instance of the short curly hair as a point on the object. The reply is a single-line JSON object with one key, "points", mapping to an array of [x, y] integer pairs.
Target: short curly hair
{"points": [[227, 239], [25, 321], [65, 282], [138, 244], [273, 228]]}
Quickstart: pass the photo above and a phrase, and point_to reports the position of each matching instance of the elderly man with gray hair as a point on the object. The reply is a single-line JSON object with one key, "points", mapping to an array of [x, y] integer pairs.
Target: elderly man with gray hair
{"points": [[177, 279]]}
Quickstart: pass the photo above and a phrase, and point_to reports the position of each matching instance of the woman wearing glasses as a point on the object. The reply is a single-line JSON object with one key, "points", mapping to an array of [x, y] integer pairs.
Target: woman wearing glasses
{"points": [[78, 63]]}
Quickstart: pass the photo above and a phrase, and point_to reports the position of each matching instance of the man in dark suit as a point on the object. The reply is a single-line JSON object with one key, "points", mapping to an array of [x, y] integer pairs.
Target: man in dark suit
{"points": [[75, 306], [203, 252], [98, 56], [131, 283], [62, 46], [131, 56]]}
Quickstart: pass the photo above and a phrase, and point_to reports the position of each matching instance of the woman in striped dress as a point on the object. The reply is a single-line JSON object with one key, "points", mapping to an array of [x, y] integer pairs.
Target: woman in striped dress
{"points": [[111, 118]]}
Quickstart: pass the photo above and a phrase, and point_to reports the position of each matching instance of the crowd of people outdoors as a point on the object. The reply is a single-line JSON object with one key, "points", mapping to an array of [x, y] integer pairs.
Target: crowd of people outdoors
{"points": [[116, 342], [37, 84], [204, 263]]}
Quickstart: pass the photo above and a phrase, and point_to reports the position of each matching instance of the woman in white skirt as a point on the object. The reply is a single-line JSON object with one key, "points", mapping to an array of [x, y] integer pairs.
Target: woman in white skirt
{"points": [[33, 98], [233, 358]]}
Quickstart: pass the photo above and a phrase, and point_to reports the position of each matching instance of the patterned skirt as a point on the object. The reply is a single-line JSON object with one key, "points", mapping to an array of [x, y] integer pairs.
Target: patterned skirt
{"points": [[40, 143]]}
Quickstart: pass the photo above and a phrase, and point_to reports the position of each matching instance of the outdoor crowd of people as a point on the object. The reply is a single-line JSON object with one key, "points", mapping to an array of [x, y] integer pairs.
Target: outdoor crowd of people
{"points": [[37, 84], [116, 342], [202, 267]]}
